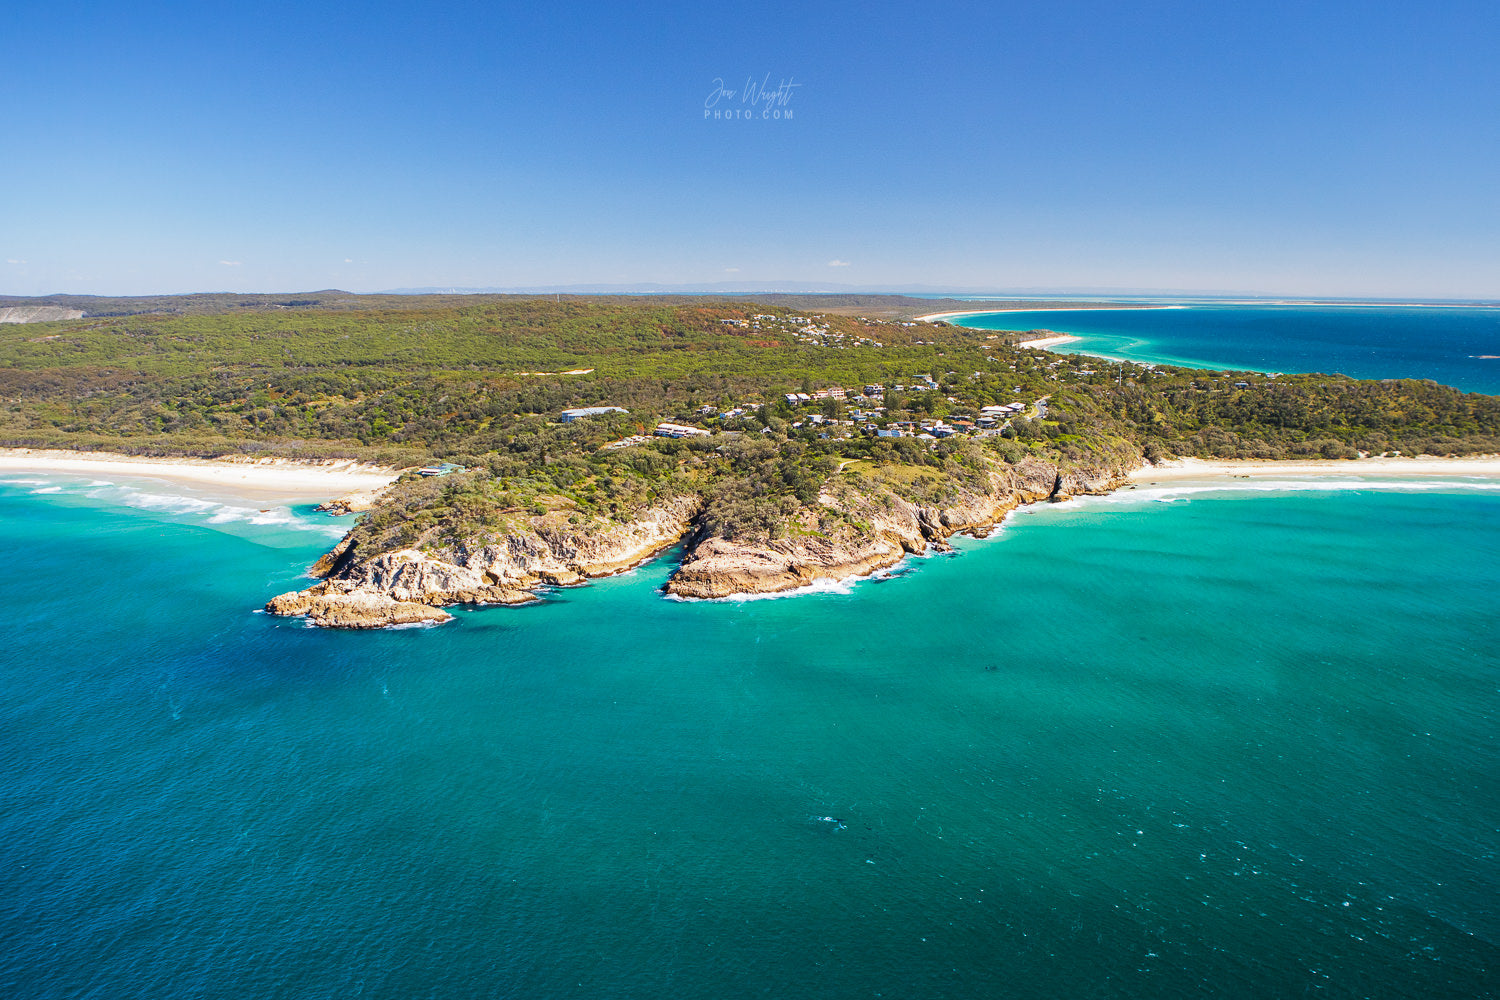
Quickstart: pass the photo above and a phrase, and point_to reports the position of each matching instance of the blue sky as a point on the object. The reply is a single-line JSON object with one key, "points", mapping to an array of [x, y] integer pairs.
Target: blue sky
{"points": [[1289, 148]]}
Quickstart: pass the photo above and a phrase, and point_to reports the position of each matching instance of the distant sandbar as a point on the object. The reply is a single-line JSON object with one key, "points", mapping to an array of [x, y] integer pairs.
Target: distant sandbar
{"points": [[941, 317]]}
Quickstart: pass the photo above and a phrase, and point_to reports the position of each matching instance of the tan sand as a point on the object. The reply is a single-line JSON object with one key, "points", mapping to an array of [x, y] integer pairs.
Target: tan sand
{"points": [[1042, 343], [1002, 308], [265, 479], [1424, 465]]}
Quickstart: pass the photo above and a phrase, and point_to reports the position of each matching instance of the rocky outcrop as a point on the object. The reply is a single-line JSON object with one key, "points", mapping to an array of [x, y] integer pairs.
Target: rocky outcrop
{"points": [[408, 585], [717, 567], [354, 610], [557, 553]]}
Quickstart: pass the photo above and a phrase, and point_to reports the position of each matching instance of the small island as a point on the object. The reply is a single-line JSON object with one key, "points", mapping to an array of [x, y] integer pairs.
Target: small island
{"points": [[781, 441]]}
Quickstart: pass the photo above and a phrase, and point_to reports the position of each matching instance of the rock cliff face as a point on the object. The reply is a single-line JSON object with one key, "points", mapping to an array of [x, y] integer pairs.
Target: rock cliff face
{"points": [[717, 567], [405, 586], [410, 585]]}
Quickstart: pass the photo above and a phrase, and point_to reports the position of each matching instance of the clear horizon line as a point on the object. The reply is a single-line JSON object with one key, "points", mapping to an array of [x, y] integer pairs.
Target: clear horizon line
{"points": [[789, 288]]}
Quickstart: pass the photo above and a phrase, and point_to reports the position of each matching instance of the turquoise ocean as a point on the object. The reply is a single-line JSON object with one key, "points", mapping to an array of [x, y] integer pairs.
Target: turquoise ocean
{"points": [[1457, 346], [1232, 739]]}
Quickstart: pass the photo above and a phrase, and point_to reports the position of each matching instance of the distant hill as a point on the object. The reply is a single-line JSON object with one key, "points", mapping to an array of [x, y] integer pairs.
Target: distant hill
{"points": [[884, 306]]}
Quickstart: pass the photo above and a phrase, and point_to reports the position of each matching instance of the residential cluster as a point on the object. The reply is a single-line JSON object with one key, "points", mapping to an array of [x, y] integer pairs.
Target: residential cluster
{"points": [[860, 411], [812, 330]]}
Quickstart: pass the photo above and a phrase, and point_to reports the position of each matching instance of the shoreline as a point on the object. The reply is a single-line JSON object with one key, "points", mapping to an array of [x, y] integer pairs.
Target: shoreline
{"points": [[261, 479], [1175, 471], [1485, 466], [1044, 343], [290, 480], [935, 317], [1313, 303]]}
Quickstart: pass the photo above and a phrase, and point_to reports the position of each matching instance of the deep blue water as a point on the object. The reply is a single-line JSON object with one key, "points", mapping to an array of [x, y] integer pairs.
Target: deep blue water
{"points": [[1457, 346], [1239, 744]]}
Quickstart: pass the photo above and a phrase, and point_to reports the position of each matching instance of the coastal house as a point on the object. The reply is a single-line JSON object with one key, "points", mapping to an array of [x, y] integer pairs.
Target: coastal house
{"points": [[568, 416], [666, 429], [634, 439], [441, 469]]}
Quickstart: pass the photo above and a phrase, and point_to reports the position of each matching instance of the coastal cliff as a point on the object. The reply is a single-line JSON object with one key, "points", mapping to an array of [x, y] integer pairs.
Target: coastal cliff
{"points": [[877, 530], [403, 566], [367, 583]]}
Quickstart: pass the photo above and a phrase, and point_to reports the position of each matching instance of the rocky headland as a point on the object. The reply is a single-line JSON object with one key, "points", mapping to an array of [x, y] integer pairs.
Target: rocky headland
{"points": [[404, 564], [367, 585], [878, 530]]}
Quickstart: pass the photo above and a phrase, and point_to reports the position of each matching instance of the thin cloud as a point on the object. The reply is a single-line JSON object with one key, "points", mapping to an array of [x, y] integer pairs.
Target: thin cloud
{"points": [[731, 270], [231, 263], [348, 260], [12, 260], [838, 263]]}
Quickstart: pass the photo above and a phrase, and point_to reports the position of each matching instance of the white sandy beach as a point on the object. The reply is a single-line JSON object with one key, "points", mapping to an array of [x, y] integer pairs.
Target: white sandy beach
{"points": [[1000, 308], [1042, 343], [1197, 468], [263, 479]]}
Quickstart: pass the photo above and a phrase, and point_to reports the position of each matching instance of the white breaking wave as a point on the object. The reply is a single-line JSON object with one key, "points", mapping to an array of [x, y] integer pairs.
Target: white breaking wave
{"points": [[191, 508], [167, 503], [821, 586], [227, 514]]}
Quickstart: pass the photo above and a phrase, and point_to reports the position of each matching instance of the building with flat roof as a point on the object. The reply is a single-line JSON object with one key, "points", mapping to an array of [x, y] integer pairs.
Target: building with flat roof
{"points": [[665, 429], [568, 416]]}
